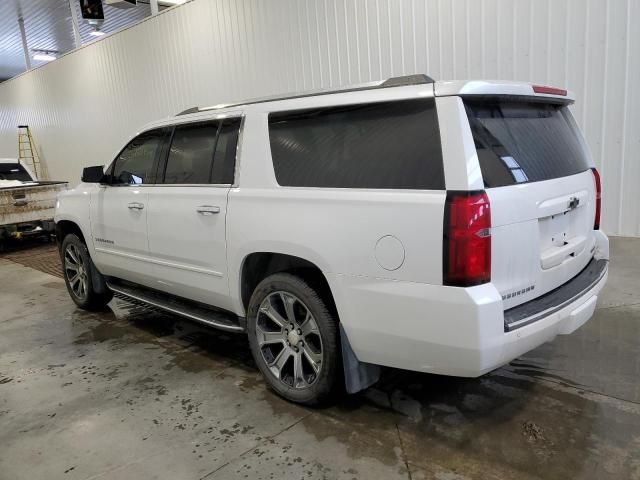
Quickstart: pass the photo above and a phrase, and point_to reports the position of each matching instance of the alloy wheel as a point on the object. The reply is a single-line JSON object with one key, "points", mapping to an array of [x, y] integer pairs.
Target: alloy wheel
{"points": [[76, 271], [289, 340]]}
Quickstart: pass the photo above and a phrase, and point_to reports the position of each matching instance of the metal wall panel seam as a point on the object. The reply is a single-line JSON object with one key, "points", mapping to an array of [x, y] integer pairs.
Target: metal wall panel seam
{"points": [[625, 112]]}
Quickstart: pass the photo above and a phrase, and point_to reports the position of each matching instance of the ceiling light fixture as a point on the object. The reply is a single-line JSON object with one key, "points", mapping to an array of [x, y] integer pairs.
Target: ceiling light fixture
{"points": [[96, 33], [44, 55]]}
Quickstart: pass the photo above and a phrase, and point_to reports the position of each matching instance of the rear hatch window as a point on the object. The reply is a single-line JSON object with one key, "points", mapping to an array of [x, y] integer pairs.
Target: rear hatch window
{"points": [[13, 171], [524, 141]]}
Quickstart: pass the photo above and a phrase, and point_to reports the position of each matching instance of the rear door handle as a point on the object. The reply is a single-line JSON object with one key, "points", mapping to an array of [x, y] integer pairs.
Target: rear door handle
{"points": [[135, 206], [207, 210]]}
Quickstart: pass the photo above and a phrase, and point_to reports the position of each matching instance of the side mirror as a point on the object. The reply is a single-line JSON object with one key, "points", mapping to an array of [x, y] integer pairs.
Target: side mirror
{"points": [[93, 174]]}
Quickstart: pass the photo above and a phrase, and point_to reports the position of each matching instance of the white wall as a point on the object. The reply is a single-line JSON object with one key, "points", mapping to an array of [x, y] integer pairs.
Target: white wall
{"points": [[84, 106]]}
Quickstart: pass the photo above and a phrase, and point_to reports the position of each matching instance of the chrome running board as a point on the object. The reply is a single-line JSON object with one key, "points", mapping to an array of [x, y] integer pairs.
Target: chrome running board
{"points": [[185, 308]]}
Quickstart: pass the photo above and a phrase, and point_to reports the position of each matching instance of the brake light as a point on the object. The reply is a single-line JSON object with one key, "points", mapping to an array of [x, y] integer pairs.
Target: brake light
{"points": [[467, 239], [596, 178], [549, 90]]}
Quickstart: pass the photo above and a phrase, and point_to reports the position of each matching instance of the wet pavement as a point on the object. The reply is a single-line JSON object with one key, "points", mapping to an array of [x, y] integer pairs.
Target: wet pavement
{"points": [[36, 253], [133, 393]]}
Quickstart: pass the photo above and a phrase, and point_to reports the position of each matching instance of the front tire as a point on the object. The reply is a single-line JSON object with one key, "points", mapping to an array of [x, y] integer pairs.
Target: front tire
{"points": [[294, 339], [86, 286]]}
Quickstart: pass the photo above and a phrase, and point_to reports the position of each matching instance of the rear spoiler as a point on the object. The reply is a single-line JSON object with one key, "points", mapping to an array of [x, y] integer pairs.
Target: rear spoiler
{"points": [[488, 88]]}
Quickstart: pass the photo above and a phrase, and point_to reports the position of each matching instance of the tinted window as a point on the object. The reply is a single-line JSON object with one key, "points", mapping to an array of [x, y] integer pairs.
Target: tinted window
{"points": [[382, 145], [520, 142], [137, 162], [13, 171], [190, 157], [225, 158]]}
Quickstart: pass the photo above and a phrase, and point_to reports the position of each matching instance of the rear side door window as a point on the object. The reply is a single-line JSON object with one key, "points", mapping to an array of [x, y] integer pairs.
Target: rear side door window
{"points": [[389, 145], [203, 153], [225, 157], [190, 159], [137, 162]]}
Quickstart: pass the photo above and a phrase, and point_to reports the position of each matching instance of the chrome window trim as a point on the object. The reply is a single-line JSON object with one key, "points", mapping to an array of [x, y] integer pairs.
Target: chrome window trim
{"points": [[147, 185], [236, 167]]}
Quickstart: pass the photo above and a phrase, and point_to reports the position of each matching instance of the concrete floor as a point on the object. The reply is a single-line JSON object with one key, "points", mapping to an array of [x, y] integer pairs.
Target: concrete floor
{"points": [[133, 394]]}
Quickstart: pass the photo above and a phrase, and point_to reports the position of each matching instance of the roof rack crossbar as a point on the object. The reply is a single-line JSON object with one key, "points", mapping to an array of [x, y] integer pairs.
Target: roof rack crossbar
{"points": [[406, 80]]}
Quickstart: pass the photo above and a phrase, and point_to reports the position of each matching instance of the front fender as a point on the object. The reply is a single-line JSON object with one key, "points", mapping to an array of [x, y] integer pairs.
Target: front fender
{"points": [[75, 206]]}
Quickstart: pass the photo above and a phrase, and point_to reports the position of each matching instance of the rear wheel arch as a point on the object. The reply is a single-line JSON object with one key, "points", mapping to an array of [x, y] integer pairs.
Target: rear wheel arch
{"points": [[257, 266]]}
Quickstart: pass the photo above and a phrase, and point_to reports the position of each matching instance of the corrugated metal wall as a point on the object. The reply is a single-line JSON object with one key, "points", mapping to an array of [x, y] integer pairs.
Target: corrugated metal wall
{"points": [[84, 106]]}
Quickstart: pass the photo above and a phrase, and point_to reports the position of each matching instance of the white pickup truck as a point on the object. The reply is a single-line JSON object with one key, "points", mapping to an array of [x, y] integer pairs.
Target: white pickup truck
{"points": [[26, 205], [443, 227]]}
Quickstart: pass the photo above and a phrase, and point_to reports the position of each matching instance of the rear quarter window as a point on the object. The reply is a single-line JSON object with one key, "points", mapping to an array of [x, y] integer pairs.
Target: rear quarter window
{"points": [[390, 145], [519, 141]]}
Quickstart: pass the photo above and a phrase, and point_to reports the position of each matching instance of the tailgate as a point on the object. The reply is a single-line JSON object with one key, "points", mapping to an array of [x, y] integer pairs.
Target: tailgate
{"points": [[29, 203], [537, 175], [541, 234]]}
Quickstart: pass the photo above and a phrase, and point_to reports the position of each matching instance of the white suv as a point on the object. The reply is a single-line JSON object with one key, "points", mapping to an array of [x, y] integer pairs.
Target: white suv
{"points": [[443, 227]]}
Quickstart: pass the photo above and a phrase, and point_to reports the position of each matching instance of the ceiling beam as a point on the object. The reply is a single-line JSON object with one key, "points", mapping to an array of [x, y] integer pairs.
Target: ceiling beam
{"points": [[76, 29], [23, 34]]}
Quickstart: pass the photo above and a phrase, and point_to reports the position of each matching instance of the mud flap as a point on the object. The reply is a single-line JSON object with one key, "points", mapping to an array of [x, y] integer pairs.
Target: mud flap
{"points": [[97, 280], [357, 375]]}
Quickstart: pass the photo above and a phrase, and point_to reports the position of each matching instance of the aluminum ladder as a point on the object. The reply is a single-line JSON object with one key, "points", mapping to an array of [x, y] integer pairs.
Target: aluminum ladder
{"points": [[27, 152]]}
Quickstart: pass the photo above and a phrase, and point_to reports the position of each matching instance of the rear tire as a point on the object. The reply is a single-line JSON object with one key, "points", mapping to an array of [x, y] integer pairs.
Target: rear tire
{"points": [[85, 284], [294, 339]]}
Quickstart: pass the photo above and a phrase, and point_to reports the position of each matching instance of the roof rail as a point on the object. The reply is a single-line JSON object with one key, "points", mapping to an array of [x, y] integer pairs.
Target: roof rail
{"points": [[403, 81], [189, 110]]}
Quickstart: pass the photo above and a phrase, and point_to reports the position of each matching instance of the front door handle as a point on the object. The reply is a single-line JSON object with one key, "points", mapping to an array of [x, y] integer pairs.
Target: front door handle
{"points": [[207, 210], [135, 206]]}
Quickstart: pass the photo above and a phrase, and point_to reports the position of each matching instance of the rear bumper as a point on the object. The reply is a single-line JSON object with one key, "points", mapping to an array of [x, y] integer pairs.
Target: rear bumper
{"points": [[563, 321], [555, 300], [27, 229], [446, 330]]}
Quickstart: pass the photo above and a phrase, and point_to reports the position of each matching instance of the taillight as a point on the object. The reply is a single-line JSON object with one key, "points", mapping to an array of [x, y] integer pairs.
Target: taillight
{"points": [[467, 239], [549, 90], [596, 178]]}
